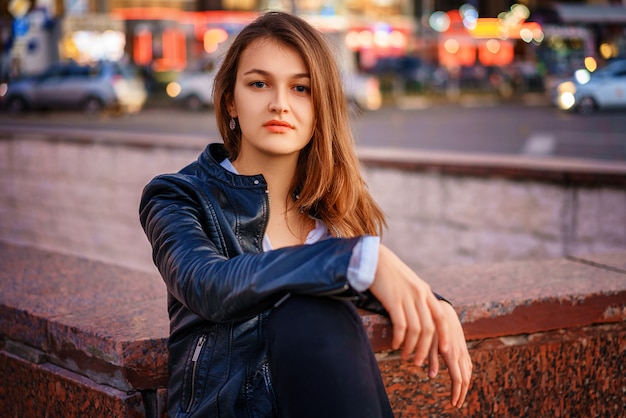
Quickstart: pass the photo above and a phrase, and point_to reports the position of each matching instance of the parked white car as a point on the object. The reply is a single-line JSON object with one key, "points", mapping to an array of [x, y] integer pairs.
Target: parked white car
{"points": [[588, 92], [194, 90], [67, 85], [363, 91]]}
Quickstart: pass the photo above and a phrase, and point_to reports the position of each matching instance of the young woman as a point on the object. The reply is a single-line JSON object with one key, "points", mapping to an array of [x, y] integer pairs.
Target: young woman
{"points": [[269, 240]]}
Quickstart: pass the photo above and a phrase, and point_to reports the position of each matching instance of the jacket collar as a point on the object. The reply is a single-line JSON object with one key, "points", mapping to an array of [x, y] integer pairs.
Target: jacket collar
{"points": [[210, 162]]}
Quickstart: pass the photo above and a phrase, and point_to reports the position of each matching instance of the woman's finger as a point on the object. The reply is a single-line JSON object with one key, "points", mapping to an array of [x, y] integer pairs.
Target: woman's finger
{"points": [[441, 323], [427, 331], [433, 359], [399, 323], [466, 370], [457, 382], [413, 331]]}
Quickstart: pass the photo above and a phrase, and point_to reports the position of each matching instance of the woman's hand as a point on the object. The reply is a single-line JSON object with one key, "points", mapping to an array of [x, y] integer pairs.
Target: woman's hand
{"points": [[415, 313], [456, 356], [422, 324]]}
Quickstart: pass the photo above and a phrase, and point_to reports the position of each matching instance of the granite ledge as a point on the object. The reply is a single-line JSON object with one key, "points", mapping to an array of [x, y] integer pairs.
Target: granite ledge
{"points": [[38, 390], [572, 171], [106, 322], [111, 323], [524, 297]]}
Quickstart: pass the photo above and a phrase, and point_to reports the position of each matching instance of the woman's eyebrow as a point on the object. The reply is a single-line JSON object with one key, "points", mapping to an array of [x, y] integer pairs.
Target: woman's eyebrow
{"points": [[268, 74]]}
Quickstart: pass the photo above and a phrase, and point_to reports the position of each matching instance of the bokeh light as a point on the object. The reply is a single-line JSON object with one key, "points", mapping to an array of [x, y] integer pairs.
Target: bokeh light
{"points": [[591, 64], [493, 46], [397, 39], [469, 15], [212, 38], [520, 12], [381, 38], [451, 45], [566, 95], [352, 40], [567, 101], [538, 35], [173, 89], [526, 35], [608, 51], [366, 39], [439, 21], [582, 76]]}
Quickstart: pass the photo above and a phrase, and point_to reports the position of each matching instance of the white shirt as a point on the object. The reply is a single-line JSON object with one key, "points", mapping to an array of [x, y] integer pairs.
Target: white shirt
{"points": [[364, 257]]}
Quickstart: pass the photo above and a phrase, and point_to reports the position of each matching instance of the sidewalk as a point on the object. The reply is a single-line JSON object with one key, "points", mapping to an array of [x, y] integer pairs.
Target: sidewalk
{"points": [[468, 100]]}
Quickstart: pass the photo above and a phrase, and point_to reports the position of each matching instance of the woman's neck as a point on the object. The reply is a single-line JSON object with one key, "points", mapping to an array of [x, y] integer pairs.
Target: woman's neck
{"points": [[287, 225], [278, 172]]}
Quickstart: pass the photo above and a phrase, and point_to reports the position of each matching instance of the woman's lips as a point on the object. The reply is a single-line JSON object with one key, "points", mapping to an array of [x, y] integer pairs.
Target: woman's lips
{"points": [[278, 126]]}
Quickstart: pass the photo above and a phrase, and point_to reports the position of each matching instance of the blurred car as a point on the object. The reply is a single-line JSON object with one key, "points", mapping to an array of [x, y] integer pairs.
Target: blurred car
{"points": [[92, 88], [194, 90], [362, 90], [405, 74], [588, 92]]}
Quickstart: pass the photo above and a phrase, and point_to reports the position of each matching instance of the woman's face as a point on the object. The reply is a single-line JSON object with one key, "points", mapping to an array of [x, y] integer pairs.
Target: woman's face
{"points": [[272, 101]]}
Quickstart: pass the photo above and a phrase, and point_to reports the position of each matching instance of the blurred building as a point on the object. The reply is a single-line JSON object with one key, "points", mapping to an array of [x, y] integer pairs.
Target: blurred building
{"points": [[575, 31], [416, 37]]}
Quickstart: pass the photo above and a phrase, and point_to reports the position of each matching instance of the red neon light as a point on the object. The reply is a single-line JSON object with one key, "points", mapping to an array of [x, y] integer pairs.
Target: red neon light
{"points": [[182, 16], [174, 51], [464, 56], [142, 48], [503, 56]]}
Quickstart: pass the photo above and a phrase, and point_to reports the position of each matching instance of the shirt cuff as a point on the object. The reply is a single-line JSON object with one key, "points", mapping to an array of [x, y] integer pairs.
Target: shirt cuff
{"points": [[363, 263]]}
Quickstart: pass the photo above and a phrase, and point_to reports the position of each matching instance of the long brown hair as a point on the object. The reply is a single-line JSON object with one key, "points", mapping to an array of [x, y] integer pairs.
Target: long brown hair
{"points": [[328, 177]]}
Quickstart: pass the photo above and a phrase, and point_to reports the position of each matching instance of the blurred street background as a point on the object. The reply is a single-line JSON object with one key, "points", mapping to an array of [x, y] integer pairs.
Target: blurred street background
{"points": [[538, 78], [492, 135], [482, 127]]}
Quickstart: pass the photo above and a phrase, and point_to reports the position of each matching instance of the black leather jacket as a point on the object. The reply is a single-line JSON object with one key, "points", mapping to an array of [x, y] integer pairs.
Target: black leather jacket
{"points": [[206, 227]]}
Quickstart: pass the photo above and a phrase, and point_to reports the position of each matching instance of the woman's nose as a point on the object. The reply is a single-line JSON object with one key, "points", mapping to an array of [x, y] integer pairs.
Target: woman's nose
{"points": [[278, 108], [279, 103]]}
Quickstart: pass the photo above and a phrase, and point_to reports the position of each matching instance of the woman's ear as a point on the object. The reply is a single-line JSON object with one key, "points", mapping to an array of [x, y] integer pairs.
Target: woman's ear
{"points": [[230, 106]]}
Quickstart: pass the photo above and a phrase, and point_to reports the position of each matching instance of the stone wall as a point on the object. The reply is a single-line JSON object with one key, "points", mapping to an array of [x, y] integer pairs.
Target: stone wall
{"points": [[447, 209], [81, 338], [532, 253], [81, 196], [79, 193]]}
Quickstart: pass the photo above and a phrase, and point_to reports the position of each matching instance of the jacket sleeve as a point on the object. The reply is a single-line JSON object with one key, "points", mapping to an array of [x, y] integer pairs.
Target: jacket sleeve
{"points": [[221, 288]]}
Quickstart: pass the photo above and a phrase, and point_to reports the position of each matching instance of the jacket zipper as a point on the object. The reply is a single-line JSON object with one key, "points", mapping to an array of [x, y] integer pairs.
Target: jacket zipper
{"points": [[334, 291], [194, 362]]}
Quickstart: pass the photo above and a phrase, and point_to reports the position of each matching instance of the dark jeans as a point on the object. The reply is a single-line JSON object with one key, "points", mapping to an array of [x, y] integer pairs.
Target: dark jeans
{"points": [[322, 363]]}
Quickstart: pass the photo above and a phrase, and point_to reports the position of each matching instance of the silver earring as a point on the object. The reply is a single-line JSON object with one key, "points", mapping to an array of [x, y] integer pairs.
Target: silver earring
{"points": [[232, 124]]}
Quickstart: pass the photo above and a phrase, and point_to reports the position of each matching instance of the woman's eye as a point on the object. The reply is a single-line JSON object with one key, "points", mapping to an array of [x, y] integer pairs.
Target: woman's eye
{"points": [[258, 84], [301, 89]]}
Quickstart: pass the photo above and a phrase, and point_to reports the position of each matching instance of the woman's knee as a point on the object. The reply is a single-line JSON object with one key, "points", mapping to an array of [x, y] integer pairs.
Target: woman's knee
{"points": [[308, 323], [321, 360]]}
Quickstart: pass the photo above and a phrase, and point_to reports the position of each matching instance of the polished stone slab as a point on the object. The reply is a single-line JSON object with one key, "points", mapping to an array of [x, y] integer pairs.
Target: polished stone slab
{"points": [[88, 335], [565, 373], [520, 297], [46, 390], [106, 322]]}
